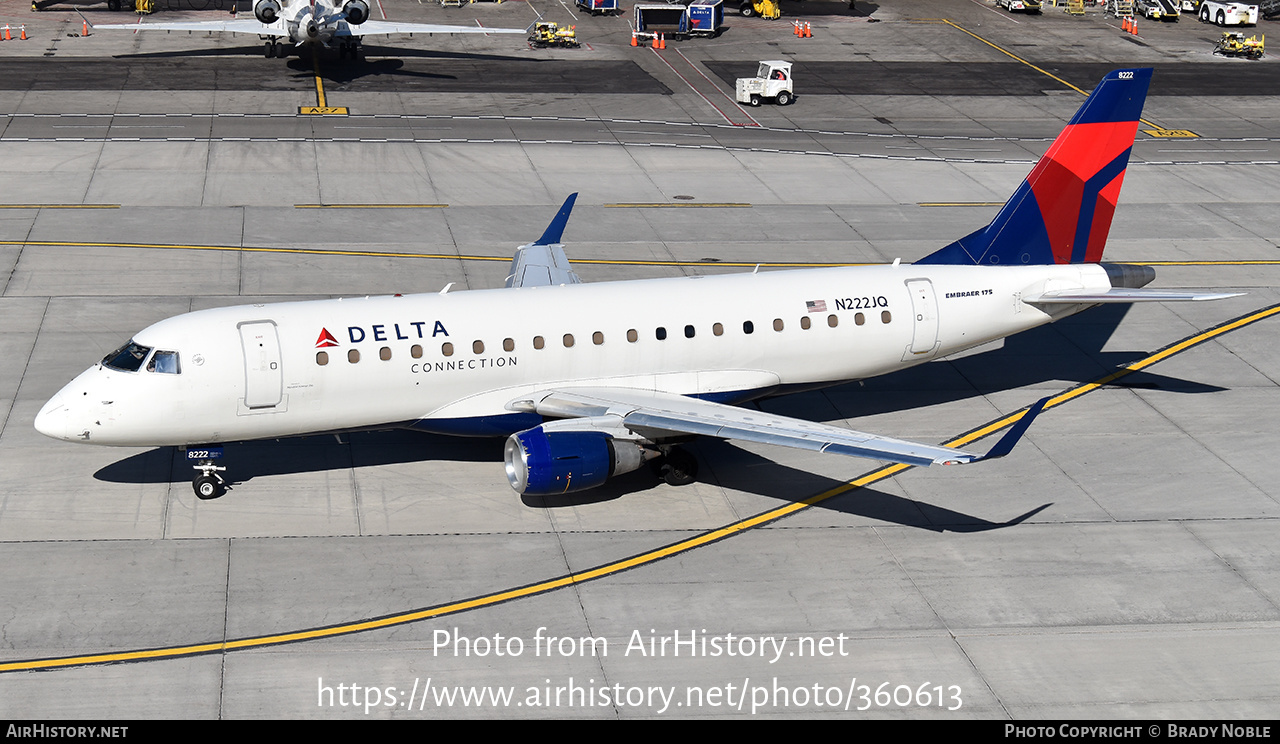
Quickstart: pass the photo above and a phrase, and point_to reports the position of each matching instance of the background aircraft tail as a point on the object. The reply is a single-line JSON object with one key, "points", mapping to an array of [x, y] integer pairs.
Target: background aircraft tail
{"points": [[1062, 211]]}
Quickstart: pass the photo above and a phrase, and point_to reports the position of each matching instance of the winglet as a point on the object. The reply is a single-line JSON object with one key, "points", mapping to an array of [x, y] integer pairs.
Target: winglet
{"points": [[1011, 437], [556, 229]]}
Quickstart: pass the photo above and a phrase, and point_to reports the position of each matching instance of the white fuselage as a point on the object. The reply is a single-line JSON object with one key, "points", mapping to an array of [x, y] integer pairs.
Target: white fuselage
{"points": [[254, 371]]}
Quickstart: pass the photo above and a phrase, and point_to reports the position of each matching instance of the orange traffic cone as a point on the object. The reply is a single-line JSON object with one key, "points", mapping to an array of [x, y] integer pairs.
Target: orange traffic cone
{"points": [[808, 30], [86, 29], [633, 39], [662, 41], [1133, 27], [7, 37], [23, 35], [795, 28], [654, 44]]}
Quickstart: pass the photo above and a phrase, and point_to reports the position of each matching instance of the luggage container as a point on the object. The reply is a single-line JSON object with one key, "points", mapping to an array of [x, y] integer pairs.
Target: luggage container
{"points": [[706, 17], [672, 20], [599, 7]]}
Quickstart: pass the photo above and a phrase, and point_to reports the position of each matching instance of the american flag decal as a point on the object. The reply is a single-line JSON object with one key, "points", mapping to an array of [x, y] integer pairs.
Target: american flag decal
{"points": [[816, 306]]}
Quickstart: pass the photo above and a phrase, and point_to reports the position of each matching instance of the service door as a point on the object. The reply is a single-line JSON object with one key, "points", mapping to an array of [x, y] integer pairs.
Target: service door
{"points": [[263, 378], [924, 308]]}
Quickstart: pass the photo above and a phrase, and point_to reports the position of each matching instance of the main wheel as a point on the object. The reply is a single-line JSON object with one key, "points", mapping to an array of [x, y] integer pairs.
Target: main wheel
{"points": [[207, 487], [268, 50], [1204, 15], [784, 98], [679, 468], [1222, 18]]}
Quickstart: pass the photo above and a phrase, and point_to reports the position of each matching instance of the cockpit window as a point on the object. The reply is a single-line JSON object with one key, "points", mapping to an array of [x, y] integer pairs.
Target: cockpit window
{"points": [[165, 362], [127, 358]]}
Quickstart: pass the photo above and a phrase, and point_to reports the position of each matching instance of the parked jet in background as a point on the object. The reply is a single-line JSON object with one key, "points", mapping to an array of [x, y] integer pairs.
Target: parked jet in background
{"points": [[314, 22], [592, 380]]}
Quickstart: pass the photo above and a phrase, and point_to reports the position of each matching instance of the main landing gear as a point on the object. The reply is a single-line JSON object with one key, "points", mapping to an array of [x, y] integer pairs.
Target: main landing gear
{"points": [[208, 483], [274, 48], [349, 49], [676, 466]]}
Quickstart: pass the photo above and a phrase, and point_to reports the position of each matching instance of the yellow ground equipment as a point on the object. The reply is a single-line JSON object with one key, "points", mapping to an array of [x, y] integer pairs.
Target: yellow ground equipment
{"points": [[764, 8], [547, 33], [144, 7], [1234, 44]]}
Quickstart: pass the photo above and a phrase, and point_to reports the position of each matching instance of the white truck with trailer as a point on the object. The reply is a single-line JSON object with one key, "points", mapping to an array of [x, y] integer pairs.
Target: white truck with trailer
{"points": [[772, 80]]}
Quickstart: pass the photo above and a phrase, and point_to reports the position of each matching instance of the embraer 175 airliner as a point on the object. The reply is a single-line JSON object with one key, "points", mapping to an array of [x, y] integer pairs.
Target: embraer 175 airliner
{"points": [[310, 22], [592, 380]]}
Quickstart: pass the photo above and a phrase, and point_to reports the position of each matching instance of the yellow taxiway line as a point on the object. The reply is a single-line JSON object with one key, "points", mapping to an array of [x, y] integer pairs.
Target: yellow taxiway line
{"points": [[608, 569], [581, 261], [1156, 131]]}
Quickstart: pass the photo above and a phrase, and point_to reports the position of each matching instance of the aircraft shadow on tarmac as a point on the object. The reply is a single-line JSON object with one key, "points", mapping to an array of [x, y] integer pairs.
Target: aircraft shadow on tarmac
{"points": [[1069, 351]]}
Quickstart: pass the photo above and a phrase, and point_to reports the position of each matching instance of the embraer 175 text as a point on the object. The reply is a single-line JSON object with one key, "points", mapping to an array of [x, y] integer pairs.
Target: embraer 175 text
{"points": [[313, 22], [592, 380]]}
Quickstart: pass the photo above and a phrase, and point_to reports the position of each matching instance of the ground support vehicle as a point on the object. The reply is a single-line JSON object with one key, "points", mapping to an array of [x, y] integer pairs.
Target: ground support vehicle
{"points": [[1234, 44], [1228, 13], [772, 80], [769, 9], [549, 34], [1020, 6]]}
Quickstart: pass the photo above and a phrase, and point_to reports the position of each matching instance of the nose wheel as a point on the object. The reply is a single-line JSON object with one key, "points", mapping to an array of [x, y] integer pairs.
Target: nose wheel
{"points": [[208, 483]]}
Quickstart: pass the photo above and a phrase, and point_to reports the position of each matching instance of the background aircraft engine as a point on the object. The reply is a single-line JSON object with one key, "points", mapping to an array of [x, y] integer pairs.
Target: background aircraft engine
{"points": [[357, 12], [266, 11], [543, 463]]}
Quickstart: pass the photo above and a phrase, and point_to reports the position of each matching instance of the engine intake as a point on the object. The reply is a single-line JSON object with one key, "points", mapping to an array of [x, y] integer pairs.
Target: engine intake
{"points": [[266, 11], [357, 12], [542, 463]]}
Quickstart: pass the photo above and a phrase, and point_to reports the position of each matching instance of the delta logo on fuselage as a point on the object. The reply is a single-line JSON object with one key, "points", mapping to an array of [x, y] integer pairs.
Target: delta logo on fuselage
{"points": [[380, 332]]}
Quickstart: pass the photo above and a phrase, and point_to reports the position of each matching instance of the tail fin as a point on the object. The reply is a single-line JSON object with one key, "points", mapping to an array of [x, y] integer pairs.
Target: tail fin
{"points": [[1062, 211]]}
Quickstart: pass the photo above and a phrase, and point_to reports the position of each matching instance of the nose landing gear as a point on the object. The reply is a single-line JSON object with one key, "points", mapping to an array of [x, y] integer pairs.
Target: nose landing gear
{"points": [[209, 483]]}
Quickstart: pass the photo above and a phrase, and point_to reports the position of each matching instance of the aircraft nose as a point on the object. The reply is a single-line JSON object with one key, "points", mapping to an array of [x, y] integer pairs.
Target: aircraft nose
{"points": [[52, 419]]}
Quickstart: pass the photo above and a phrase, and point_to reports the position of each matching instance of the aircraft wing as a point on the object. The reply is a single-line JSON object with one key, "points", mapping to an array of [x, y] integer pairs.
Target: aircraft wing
{"points": [[655, 415], [231, 25], [373, 28], [543, 263], [252, 26]]}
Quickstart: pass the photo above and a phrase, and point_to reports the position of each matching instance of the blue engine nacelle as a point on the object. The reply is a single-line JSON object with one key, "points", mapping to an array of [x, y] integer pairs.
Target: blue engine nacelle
{"points": [[357, 12], [266, 11], [542, 463]]}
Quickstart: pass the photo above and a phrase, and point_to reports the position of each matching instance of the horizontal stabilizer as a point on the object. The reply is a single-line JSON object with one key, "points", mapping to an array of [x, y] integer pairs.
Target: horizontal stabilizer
{"points": [[1123, 295]]}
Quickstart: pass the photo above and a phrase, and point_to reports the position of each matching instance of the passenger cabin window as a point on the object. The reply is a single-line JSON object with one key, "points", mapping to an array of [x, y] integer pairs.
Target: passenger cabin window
{"points": [[689, 331], [508, 344], [415, 351], [885, 317], [385, 353], [164, 362], [632, 336], [538, 342], [477, 347], [446, 348], [748, 327], [353, 356], [568, 340], [322, 358], [859, 319], [718, 329], [127, 358], [833, 320], [805, 322], [597, 338], [660, 333], [777, 324]]}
